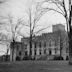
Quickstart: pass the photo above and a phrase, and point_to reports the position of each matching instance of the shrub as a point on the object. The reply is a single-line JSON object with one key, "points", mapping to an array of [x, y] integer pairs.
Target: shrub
{"points": [[42, 58], [58, 58], [26, 57], [18, 58]]}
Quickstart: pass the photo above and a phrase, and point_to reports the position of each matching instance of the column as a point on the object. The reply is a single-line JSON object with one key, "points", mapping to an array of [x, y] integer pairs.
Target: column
{"points": [[53, 51], [47, 49], [32, 50], [37, 50], [28, 49], [42, 48]]}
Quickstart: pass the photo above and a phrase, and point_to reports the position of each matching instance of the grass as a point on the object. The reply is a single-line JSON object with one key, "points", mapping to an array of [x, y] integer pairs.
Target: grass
{"points": [[35, 66]]}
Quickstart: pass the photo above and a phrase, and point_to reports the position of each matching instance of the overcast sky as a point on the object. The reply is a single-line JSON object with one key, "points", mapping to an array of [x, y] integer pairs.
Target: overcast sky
{"points": [[17, 8]]}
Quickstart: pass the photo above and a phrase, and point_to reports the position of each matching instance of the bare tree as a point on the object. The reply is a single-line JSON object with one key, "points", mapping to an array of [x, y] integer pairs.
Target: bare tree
{"points": [[12, 30], [15, 28], [2, 1], [64, 8], [33, 18], [4, 41]]}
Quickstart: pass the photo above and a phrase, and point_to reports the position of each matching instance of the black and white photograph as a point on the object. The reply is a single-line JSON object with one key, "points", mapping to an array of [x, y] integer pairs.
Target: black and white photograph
{"points": [[35, 35]]}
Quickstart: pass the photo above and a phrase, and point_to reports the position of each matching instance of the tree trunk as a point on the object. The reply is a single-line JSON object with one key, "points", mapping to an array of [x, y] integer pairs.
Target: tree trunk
{"points": [[12, 50], [30, 55], [70, 38], [11, 54]]}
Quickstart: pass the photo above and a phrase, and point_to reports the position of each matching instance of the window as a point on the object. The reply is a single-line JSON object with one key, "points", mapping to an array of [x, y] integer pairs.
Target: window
{"points": [[40, 52], [30, 52], [20, 53], [50, 52], [55, 43], [45, 51], [17, 47], [25, 46], [67, 50], [25, 53], [35, 45], [55, 50], [40, 44], [44, 44], [49, 43], [35, 52]]}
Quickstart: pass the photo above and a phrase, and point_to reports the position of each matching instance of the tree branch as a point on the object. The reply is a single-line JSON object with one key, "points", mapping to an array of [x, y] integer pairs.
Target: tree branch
{"points": [[58, 3], [41, 29], [55, 11]]}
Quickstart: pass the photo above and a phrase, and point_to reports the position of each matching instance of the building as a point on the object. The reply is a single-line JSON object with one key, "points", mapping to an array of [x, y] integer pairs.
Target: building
{"points": [[49, 44], [16, 51], [46, 45]]}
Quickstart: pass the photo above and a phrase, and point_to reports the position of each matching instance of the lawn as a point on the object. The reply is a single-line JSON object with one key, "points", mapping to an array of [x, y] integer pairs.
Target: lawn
{"points": [[35, 66]]}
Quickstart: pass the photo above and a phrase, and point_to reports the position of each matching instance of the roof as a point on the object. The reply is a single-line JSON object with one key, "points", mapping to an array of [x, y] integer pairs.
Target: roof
{"points": [[44, 37]]}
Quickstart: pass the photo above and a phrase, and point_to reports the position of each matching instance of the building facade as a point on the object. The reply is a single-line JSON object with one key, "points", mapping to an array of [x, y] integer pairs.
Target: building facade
{"points": [[49, 44], [46, 45], [16, 51]]}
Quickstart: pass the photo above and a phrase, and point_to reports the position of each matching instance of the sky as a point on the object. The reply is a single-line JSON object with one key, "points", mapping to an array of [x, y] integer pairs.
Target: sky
{"points": [[18, 9]]}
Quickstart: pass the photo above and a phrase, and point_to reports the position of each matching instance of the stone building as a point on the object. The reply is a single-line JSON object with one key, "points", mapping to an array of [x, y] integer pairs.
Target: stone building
{"points": [[48, 44], [16, 51]]}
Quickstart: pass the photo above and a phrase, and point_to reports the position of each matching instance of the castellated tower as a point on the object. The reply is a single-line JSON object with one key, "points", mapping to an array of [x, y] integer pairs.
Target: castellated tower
{"points": [[58, 27]]}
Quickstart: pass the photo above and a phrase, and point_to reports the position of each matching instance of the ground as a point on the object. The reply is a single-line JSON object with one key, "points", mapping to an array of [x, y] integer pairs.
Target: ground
{"points": [[35, 66]]}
